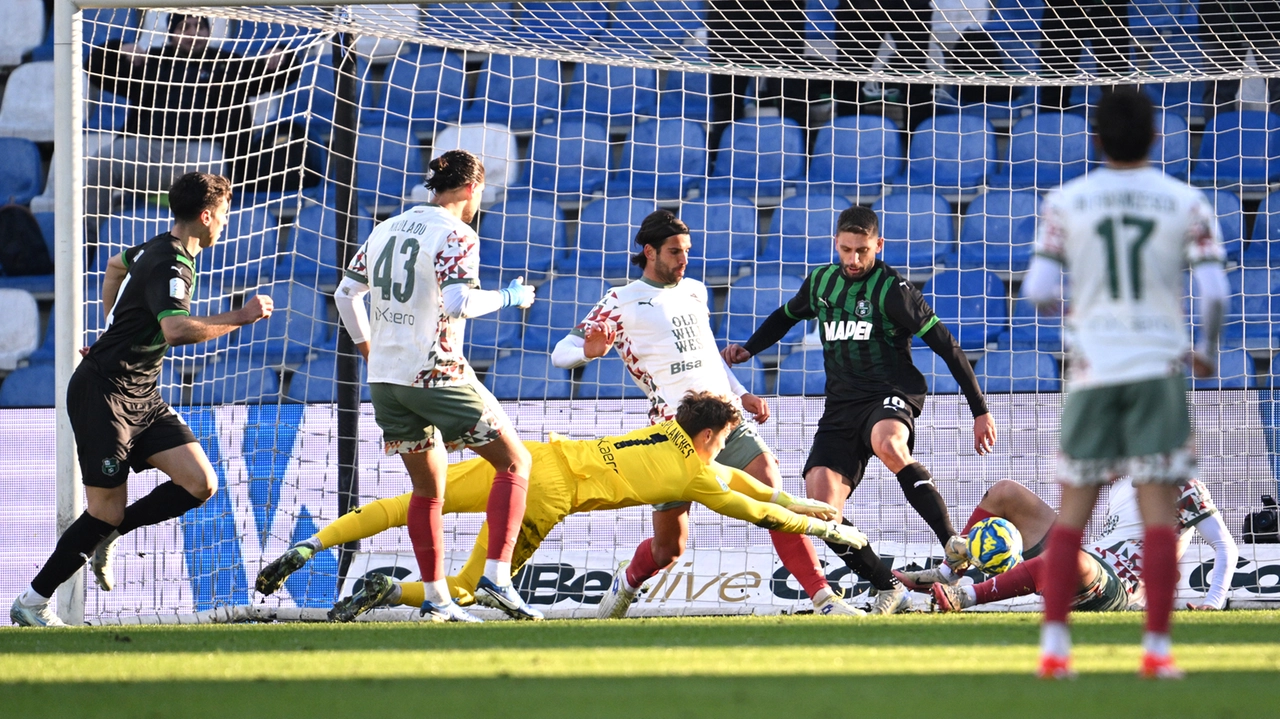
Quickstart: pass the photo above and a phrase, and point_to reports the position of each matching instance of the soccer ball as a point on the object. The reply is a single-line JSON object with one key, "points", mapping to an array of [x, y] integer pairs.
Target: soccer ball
{"points": [[995, 545]]}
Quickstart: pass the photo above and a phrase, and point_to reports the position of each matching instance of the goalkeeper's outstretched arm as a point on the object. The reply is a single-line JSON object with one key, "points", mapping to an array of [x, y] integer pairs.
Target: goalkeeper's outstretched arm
{"points": [[708, 491]]}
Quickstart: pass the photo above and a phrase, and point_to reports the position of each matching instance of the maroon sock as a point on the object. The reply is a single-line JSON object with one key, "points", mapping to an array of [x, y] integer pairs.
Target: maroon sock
{"points": [[798, 556], [978, 515], [426, 533], [642, 565], [1160, 575], [1062, 572], [505, 511], [1020, 581]]}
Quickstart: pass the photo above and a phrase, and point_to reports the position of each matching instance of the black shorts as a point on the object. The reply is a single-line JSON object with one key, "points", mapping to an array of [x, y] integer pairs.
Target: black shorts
{"points": [[843, 440], [115, 432]]}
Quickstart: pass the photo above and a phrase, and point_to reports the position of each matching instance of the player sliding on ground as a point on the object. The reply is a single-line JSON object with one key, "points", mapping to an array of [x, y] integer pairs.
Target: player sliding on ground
{"points": [[661, 327], [668, 462], [423, 266], [1125, 233], [118, 417], [1110, 573], [867, 316]]}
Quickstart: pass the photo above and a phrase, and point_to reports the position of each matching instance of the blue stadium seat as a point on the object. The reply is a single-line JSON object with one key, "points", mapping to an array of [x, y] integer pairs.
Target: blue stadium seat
{"points": [[1239, 149], [662, 159], [487, 335], [255, 38], [246, 253], [936, 373], [570, 157], [299, 324], [972, 303], [522, 236], [1263, 249], [388, 164], [425, 85], [1029, 330], [519, 92], [1014, 26], [311, 99], [1171, 151], [857, 155], [918, 231], [1026, 371], [998, 230], [802, 232], [46, 352], [820, 20], [117, 233], [606, 230], [471, 19], [1253, 310], [656, 22], [608, 378], [751, 300], [613, 94], [105, 24], [725, 231], [685, 95], [1179, 98], [1226, 206], [311, 252], [1047, 149], [1235, 371], [106, 112], [758, 157], [563, 23], [562, 304], [20, 172], [236, 380], [802, 373], [528, 376], [954, 153], [30, 386], [752, 376], [316, 381]]}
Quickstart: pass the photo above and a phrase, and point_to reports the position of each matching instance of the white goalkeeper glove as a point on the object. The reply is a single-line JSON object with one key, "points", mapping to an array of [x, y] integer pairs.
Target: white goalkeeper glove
{"points": [[517, 294], [805, 506], [836, 532]]}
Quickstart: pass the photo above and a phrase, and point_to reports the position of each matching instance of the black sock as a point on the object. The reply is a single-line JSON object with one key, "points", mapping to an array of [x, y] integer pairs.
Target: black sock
{"points": [[865, 563], [164, 502], [917, 485], [72, 551]]}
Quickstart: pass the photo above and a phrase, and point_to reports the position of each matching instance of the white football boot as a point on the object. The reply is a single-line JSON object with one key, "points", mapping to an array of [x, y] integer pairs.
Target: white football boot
{"points": [[103, 562], [615, 602]]}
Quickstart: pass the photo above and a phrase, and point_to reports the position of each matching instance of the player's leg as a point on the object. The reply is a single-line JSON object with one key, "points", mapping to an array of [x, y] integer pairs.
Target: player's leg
{"points": [[670, 533], [1025, 578], [892, 439]]}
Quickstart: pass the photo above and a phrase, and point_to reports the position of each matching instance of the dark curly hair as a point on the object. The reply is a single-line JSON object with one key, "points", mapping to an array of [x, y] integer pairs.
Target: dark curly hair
{"points": [[454, 169], [706, 410], [196, 192]]}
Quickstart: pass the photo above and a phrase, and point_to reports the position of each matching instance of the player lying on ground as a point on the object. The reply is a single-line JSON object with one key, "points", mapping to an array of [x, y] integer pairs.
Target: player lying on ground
{"points": [[668, 462], [661, 327], [1109, 566]]}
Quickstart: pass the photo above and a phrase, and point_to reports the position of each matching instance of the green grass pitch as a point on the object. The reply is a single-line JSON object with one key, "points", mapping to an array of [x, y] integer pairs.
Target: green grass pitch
{"points": [[778, 667]]}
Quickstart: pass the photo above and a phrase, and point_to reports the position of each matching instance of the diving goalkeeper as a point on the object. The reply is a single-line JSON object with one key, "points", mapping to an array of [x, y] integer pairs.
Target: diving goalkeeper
{"points": [[667, 462]]}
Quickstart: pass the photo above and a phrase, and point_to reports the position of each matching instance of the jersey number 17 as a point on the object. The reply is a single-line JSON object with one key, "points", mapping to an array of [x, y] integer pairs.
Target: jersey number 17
{"points": [[1142, 228]]}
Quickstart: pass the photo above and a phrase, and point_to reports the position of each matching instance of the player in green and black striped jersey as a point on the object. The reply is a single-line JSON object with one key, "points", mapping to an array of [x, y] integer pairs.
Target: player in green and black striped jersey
{"points": [[867, 316]]}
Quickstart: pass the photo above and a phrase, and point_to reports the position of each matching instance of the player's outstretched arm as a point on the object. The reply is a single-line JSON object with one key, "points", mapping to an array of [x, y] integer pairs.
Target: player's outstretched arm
{"points": [[745, 484], [590, 340], [1225, 556], [463, 300], [186, 330], [708, 491]]}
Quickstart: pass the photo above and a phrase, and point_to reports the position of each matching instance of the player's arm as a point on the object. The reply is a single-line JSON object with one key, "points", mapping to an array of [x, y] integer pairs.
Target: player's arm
{"points": [[708, 491], [168, 296], [592, 337], [774, 328], [906, 307], [743, 483], [1209, 289], [1043, 282], [1225, 556], [349, 297], [111, 281], [457, 267]]}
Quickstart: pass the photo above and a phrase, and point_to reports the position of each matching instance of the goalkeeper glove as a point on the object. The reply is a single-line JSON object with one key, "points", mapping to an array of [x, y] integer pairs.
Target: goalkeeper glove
{"points": [[517, 294], [836, 532], [805, 506]]}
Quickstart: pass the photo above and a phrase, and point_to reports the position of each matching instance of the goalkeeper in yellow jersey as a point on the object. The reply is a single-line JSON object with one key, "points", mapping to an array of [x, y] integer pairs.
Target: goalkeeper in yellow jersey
{"points": [[669, 461]]}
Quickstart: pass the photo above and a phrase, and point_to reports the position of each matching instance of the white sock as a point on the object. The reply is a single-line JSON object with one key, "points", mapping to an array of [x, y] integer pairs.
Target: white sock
{"points": [[970, 593], [436, 592], [822, 596], [944, 570], [1158, 645], [498, 572], [1055, 639], [32, 598]]}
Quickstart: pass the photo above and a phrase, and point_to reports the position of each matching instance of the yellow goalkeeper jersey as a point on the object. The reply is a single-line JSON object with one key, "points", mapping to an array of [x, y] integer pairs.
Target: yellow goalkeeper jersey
{"points": [[658, 464]]}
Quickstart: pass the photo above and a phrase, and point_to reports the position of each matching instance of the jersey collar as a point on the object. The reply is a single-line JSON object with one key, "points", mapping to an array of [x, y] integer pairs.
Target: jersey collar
{"points": [[651, 283]]}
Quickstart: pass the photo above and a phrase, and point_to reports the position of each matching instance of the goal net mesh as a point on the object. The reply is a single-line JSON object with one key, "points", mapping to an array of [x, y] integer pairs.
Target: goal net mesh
{"points": [[757, 122]]}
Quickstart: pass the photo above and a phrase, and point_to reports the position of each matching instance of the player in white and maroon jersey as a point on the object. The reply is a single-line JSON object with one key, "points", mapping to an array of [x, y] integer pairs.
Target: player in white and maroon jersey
{"points": [[1126, 234], [1110, 564], [661, 326], [420, 270]]}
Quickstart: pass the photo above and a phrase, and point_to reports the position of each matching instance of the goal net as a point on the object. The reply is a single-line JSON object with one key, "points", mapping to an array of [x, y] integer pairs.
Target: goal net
{"points": [[757, 122]]}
